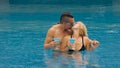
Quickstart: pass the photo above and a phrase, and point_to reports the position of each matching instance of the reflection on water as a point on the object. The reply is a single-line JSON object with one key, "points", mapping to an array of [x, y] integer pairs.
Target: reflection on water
{"points": [[70, 60]]}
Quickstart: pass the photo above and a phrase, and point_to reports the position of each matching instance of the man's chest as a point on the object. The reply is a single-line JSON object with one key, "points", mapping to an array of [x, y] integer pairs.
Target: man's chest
{"points": [[59, 34]]}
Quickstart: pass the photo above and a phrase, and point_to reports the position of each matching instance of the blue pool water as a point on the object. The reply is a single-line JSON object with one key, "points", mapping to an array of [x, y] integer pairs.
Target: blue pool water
{"points": [[24, 24]]}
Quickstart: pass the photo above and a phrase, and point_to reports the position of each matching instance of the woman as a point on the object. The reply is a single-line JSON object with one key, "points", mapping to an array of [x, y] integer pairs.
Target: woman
{"points": [[82, 42]]}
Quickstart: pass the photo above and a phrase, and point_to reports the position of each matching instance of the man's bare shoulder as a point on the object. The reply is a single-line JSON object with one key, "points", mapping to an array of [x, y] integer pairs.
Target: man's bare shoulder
{"points": [[54, 27]]}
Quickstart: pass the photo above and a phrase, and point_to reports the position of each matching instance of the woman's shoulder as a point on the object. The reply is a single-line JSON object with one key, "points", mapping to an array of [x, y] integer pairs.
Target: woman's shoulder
{"points": [[84, 38]]}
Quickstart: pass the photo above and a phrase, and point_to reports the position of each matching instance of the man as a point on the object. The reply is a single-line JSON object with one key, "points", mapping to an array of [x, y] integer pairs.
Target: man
{"points": [[59, 30]]}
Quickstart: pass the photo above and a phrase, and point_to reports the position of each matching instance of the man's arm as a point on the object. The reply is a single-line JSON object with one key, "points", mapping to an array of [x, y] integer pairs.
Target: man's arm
{"points": [[64, 43], [49, 39]]}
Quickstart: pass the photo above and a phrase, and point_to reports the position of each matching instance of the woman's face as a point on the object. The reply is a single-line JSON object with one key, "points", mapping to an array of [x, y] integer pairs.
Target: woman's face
{"points": [[75, 29]]}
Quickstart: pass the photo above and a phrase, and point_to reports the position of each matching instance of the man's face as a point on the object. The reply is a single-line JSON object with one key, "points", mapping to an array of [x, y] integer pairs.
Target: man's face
{"points": [[68, 22]]}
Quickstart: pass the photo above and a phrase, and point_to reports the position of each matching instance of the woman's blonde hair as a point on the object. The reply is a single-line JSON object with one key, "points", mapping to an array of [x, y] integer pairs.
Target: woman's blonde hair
{"points": [[82, 29]]}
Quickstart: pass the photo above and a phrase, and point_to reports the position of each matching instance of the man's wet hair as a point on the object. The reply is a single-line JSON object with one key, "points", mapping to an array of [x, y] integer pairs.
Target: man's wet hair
{"points": [[66, 14]]}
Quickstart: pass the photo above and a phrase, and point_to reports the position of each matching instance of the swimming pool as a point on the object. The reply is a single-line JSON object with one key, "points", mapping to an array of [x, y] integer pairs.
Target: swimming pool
{"points": [[23, 29]]}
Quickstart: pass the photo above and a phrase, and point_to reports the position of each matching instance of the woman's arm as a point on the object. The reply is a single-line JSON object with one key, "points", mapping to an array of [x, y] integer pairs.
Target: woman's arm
{"points": [[91, 44]]}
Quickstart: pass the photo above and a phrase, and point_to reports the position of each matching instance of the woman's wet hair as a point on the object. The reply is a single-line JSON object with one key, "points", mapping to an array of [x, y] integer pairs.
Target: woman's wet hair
{"points": [[82, 29], [81, 32], [65, 14]]}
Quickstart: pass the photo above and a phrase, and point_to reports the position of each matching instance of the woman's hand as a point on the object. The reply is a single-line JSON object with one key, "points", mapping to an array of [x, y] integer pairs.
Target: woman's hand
{"points": [[95, 43]]}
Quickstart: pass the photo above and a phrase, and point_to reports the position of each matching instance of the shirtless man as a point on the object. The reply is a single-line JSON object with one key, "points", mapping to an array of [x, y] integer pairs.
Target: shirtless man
{"points": [[59, 30]]}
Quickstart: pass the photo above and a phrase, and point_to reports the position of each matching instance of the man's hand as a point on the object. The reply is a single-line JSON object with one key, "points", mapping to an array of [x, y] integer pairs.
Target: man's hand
{"points": [[54, 43]]}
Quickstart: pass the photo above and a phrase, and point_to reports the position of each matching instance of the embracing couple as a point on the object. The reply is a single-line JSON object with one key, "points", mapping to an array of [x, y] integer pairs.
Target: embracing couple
{"points": [[69, 36]]}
